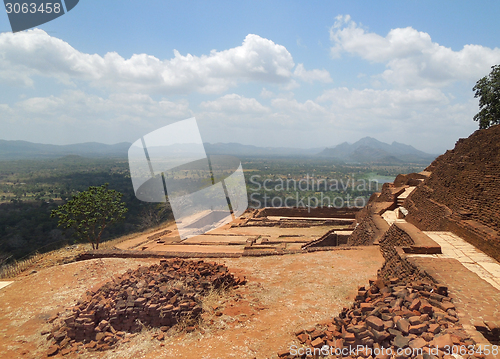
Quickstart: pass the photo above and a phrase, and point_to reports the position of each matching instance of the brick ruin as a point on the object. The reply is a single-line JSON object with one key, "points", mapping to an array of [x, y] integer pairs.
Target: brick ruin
{"points": [[285, 217], [157, 296], [393, 246], [320, 212], [458, 192], [408, 314], [461, 194], [405, 307]]}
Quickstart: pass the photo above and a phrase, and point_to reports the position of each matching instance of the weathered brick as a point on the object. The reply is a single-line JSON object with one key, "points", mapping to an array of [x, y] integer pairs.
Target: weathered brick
{"points": [[375, 323], [317, 343]]}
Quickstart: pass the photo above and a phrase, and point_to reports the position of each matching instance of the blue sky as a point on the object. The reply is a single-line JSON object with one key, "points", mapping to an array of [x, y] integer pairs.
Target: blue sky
{"points": [[267, 73]]}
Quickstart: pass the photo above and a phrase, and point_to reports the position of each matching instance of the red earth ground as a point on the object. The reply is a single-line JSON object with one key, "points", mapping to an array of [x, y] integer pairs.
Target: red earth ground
{"points": [[283, 293]]}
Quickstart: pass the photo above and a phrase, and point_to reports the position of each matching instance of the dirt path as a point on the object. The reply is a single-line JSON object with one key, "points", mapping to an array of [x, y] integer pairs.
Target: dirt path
{"points": [[284, 293]]}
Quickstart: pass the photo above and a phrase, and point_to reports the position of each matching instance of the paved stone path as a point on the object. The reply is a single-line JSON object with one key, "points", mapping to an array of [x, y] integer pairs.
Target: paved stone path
{"points": [[4, 284], [472, 258], [405, 194], [391, 217]]}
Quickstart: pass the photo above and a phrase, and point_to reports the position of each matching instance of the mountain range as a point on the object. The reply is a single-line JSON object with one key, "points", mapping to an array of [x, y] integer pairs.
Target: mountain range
{"points": [[370, 150], [15, 150], [366, 150], [237, 149]]}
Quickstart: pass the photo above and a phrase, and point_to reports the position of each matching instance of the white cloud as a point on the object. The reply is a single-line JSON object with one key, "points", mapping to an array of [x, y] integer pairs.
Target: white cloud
{"points": [[36, 105], [265, 93], [423, 117], [410, 56], [383, 110], [390, 99], [128, 107], [76, 116], [290, 85], [426, 118], [235, 103], [308, 108], [34, 52], [300, 44], [312, 75]]}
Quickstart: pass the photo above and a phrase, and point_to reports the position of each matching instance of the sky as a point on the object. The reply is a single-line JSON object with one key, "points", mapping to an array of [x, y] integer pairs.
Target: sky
{"points": [[265, 73]]}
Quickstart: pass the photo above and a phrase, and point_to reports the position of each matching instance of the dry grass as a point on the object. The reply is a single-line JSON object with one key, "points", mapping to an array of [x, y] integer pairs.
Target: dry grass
{"points": [[69, 253]]}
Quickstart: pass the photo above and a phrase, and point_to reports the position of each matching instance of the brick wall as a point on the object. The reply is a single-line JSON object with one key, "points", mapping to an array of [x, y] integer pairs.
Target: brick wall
{"points": [[363, 234], [425, 213], [371, 226], [386, 194], [410, 179], [395, 264], [462, 193]]}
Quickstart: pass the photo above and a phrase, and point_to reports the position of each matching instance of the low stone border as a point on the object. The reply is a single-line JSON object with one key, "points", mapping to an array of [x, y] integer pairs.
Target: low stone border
{"points": [[121, 253]]}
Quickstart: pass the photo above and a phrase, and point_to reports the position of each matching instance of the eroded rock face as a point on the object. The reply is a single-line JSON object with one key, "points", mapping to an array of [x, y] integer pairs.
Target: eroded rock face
{"points": [[400, 314], [156, 296]]}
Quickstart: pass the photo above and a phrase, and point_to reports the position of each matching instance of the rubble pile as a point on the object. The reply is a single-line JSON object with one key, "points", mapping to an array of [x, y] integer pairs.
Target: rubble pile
{"points": [[400, 319], [156, 296]]}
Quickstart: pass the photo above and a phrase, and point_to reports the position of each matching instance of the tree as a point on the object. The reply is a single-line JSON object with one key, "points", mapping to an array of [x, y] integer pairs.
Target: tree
{"points": [[90, 212], [152, 216], [488, 91]]}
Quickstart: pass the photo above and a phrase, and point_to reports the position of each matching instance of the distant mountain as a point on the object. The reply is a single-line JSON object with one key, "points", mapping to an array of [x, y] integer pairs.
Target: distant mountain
{"points": [[14, 150], [240, 150], [366, 150], [370, 150]]}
